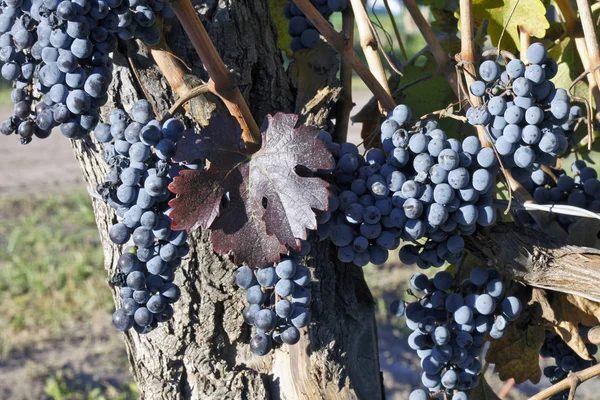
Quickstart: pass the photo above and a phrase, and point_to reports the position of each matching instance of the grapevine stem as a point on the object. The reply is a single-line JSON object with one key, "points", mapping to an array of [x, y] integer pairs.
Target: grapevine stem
{"points": [[578, 377], [467, 58], [525, 40], [589, 33], [340, 44], [220, 81], [168, 64], [345, 104], [396, 31], [187, 96], [434, 45], [549, 208], [368, 42], [572, 28]]}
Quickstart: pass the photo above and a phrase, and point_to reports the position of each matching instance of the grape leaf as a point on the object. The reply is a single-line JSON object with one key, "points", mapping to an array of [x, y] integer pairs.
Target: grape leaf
{"points": [[483, 391], [529, 16], [570, 311], [241, 230], [255, 205], [290, 198], [516, 354], [220, 143], [201, 191]]}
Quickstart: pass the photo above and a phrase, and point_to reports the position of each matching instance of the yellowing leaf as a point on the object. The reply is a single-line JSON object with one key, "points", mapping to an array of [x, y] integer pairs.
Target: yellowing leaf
{"points": [[529, 16], [570, 311], [516, 354]]}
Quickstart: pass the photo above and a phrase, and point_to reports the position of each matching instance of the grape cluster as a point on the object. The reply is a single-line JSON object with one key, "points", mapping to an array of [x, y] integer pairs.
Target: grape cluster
{"points": [[361, 220], [450, 324], [57, 53], [440, 188], [582, 190], [565, 360], [303, 32], [139, 150], [528, 119], [278, 301]]}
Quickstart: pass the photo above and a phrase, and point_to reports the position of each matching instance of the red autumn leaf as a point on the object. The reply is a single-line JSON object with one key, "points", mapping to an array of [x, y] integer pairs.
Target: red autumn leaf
{"points": [[254, 206], [240, 229]]}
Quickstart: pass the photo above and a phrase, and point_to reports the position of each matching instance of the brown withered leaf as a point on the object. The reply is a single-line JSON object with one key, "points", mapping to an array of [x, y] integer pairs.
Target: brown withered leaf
{"points": [[570, 311], [516, 354]]}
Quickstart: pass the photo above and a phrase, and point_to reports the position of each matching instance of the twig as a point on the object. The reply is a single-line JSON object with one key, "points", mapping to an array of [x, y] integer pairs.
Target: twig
{"points": [[369, 44], [340, 44], [506, 388], [396, 31], [495, 51], [190, 94], [579, 377], [525, 40], [574, 380], [467, 58], [590, 335], [344, 105], [589, 33], [506, 24], [572, 28], [434, 45], [588, 109], [220, 81], [549, 208]]}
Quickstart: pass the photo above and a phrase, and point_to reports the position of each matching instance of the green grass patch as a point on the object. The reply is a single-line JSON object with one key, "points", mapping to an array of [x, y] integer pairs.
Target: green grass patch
{"points": [[66, 385], [51, 267], [5, 100]]}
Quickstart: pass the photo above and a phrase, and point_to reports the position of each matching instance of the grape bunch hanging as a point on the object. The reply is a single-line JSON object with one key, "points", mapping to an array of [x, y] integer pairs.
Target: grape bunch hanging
{"points": [[57, 54], [139, 149]]}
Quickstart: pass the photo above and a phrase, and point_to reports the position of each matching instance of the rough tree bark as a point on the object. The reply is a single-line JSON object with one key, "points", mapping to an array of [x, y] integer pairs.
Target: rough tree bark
{"points": [[203, 352]]}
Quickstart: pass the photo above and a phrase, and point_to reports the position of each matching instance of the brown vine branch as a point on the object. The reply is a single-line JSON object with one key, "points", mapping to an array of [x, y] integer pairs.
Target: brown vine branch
{"points": [[571, 382], [340, 44], [590, 335], [220, 81], [589, 33], [525, 41], [467, 60], [187, 96], [396, 31], [573, 30], [434, 45], [369, 44], [344, 104]]}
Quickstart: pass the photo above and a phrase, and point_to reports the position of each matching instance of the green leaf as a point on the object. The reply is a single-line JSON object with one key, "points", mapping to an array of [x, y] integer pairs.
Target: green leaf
{"points": [[483, 391], [569, 67], [432, 94], [284, 40], [529, 16]]}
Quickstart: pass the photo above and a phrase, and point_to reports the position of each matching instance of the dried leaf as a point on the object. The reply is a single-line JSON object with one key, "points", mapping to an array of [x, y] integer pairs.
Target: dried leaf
{"points": [[254, 205], [516, 354], [571, 311]]}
